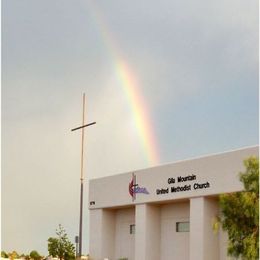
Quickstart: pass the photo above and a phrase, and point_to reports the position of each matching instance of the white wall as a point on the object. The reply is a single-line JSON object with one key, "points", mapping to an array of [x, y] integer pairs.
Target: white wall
{"points": [[95, 233], [102, 234], [204, 243], [141, 232], [156, 237], [153, 247], [108, 234], [147, 237], [211, 246], [220, 171], [223, 241], [174, 245], [124, 241]]}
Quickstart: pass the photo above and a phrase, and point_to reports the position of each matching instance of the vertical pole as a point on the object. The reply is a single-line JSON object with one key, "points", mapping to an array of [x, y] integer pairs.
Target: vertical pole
{"points": [[81, 180], [80, 219], [77, 245]]}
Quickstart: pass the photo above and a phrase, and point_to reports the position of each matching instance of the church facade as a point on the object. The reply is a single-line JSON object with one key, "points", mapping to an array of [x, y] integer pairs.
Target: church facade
{"points": [[165, 212]]}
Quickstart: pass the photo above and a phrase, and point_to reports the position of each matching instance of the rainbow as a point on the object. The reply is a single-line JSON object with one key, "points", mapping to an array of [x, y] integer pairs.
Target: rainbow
{"points": [[129, 84]]}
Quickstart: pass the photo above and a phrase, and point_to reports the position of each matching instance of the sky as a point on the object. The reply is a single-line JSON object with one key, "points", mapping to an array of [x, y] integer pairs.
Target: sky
{"points": [[164, 80]]}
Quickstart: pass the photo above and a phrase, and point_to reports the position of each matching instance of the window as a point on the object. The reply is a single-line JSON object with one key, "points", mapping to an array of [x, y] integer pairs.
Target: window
{"points": [[132, 229], [182, 226]]}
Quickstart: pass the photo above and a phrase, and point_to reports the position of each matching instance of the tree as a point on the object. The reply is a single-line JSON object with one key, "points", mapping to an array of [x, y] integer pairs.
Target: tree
{"points": [[60, 246], [35, 255], [240, 214], [4, 254], [25, 257], [13, 255]]}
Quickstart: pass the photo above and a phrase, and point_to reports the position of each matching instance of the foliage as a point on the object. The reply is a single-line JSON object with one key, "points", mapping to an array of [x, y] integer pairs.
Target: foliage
{"points": [[240, 214], [4, 254], [13, 255], [26, 257], [60, 246], [35, 255]]}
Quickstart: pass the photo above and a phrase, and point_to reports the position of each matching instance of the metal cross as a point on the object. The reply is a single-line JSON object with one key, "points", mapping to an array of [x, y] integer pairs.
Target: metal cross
{"points": [[82, 127]]}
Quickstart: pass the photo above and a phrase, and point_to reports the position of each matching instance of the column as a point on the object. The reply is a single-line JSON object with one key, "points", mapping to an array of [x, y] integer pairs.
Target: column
{"points": [[211, 249], [197, 228], [95, 231], [147, 232], [102, 234], [204, 243]]}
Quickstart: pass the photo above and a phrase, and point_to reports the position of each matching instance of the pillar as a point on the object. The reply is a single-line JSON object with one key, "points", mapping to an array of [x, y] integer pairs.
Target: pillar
{"points": [[204, 243], [102, 234], [147, 232]]}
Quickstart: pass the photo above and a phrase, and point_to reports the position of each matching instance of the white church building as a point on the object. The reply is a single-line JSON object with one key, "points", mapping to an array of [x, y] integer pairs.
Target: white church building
{"points": [[165, 212]]}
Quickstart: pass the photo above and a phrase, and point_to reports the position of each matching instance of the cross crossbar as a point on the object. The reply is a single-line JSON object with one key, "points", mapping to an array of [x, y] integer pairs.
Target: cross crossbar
{"points": [[93, 123]]}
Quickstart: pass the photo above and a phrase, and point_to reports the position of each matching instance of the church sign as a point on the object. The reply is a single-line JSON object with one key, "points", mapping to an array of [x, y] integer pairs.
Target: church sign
{"points": [[182, 183]]}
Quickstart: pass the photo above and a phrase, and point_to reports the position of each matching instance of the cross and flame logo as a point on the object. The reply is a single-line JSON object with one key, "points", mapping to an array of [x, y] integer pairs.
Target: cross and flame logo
{"points": [[134, 188]]}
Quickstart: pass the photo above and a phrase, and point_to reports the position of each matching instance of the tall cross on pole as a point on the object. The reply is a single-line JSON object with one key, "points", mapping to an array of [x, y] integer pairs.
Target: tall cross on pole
{"points": [[82, 127]]}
